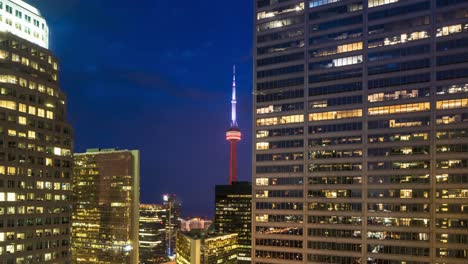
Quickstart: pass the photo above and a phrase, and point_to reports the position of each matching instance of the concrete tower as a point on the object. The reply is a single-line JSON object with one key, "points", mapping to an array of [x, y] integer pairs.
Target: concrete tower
{"points": [[233, 134]]}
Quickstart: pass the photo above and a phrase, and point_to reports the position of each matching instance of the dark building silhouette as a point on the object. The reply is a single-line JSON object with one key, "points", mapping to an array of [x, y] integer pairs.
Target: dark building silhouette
{"points": [[233, 215]]}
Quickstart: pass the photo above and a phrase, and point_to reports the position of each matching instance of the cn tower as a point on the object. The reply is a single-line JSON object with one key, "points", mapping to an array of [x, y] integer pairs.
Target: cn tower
{"points": [[233, 134]]}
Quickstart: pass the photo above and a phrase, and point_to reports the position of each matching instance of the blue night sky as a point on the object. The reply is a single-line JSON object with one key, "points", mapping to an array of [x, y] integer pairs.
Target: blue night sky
{"points": [[155, 75]]}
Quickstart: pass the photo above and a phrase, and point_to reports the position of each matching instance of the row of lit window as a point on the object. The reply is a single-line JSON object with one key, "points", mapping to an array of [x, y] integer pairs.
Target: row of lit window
{"points": [[381, 110], [280, 23], [398, 137], [289, 218], [24, 83], [280, 120], [31, 110], [394, 109], [279, 193], [397, 95], [9, 236], [452, 89], [402, 38], [335, 115], [25, 61], [13, 197], [280, 108], [280, 11], [452, 29], [339, 62], [451, 104], [21, 210], [338, 49], [279, 181]]}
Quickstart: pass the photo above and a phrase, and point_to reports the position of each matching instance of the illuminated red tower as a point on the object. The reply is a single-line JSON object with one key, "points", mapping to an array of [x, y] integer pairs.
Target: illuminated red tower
{"points": [[233, 134]]}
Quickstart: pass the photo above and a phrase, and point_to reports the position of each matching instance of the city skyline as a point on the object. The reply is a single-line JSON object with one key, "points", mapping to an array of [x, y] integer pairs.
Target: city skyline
{"points": [[185, 82]]}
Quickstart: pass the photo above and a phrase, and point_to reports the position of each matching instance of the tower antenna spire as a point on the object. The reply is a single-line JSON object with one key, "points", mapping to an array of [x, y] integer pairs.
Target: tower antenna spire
{"points": [[233, 100]]}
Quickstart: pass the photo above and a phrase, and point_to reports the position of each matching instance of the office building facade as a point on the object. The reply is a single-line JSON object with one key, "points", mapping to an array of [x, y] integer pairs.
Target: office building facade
{"points": [[152, 234], [233, 215], [36, 143], [106, 193], [360, 127], [200, 247]]}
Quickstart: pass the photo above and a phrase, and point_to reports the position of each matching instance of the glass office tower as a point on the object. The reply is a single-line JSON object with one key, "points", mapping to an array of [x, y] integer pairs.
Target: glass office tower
{"points": [[361, 123], [35, 143], [152, 234], [106, 198]]}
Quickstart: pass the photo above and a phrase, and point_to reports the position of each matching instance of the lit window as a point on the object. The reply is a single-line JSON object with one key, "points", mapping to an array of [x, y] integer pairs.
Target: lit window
{"points": [[349, 47], [374, 3], [451, 104], [262, 133], [395, 109], [57, 151], [25, 61], [261, 218], [11, 171], [22, 108], [50, 115], [335, 115], [316, 3], [280, 120], [261, 181], [11, 197], [406, 193], [31, 110], [15, 57], [22, 120], [280, 23], [283, 10], [8, 104], [31, 134], [3, 54], [452, 29], [40, 112], [262, 145], [402, 38]]}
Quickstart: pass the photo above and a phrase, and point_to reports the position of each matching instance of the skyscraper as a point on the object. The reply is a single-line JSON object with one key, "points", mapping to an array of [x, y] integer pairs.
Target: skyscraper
{"points": [[35, 140], [360, 130], [152, 234], [173, 209], [233, 215], [106, 193]]}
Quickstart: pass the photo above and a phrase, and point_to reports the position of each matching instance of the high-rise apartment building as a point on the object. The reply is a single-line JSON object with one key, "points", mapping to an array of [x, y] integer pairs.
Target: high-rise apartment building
{"points": [[233, 215], [106, 193], [35, 140], [152, 234], [361, 131], [201, 247]]}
